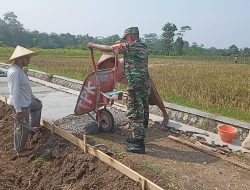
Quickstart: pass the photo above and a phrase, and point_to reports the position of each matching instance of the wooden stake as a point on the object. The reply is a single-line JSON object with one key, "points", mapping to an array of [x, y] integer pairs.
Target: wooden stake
{"points": [[84, 141], [143, 184]]}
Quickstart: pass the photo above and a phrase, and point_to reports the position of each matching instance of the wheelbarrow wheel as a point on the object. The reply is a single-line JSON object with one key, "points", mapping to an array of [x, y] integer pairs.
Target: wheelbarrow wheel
{"points": [[106, 120]]}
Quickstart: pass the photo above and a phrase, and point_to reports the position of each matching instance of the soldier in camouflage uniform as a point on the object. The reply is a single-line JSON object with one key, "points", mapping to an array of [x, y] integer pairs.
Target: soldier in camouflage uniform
{"points": [[136, 68]]}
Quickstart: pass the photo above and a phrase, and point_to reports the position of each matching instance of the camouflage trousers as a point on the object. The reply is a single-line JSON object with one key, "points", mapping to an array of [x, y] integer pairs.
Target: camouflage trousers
{"points": [[138, 112]]}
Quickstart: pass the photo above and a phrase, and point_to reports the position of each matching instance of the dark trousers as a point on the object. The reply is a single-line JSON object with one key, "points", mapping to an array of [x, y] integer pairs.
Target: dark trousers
{"points": [[32, 116]]}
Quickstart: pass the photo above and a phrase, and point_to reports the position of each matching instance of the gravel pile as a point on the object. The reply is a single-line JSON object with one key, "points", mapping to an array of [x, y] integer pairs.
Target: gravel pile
{"points": [[83, 124]]}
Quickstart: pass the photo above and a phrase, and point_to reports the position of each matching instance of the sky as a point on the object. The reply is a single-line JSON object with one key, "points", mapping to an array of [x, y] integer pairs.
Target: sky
{"points": [[214, 23]]}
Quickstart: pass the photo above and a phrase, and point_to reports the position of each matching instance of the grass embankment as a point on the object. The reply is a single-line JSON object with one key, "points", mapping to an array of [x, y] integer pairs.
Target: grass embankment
{"points": [[216, 87]]}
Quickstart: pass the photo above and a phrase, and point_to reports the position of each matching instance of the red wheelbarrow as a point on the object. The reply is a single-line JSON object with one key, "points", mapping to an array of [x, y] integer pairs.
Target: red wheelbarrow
{"points": [[98, 91]]}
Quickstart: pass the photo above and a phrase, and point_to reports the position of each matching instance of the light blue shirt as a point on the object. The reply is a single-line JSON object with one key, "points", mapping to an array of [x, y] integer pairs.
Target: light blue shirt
{"points": [[20, 92]]}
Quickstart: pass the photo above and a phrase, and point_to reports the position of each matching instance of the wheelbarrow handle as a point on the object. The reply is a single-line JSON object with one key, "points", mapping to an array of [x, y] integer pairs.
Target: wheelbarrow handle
{"points": [[116, 68], [97, 82], [93, 59]]}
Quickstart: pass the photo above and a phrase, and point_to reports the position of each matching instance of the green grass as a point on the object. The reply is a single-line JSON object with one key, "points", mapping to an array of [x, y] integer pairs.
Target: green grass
{"points": [[63, 52], [120, 154], [40, 161], [159, 170], [60, 72], [5, 53]]}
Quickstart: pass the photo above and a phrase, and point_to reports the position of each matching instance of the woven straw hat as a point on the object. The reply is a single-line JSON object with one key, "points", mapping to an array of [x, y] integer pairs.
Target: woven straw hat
{"points": [[20, 52], [105, 57]]}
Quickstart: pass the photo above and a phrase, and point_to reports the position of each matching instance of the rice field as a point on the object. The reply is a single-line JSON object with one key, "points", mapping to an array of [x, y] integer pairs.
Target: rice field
{"points": [[215, 87], [76, 68], [218, 87]]}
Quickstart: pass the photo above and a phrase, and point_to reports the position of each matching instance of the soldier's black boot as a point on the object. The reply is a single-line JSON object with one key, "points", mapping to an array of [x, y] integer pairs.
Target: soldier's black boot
{"points": [[137, 146]]}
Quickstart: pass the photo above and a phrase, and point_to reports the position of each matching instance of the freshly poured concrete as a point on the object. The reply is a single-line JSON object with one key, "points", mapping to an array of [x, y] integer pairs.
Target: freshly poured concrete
{"points": [[56, 104]]}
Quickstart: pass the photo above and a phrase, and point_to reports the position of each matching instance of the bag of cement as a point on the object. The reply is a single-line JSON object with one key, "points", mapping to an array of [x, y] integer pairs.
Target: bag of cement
{"points": [[246, 142]]}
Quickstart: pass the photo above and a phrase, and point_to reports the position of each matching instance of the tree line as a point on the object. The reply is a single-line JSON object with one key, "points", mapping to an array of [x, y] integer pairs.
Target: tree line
{"points": [[170, 42]]}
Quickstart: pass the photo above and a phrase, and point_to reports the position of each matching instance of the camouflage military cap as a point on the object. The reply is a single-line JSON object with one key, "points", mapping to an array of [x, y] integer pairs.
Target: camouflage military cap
{"points": [[131, 30]]}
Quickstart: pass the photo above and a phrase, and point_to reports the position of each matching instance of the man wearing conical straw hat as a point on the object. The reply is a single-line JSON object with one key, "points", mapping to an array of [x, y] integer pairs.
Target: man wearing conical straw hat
{"points": [[21, 98]]}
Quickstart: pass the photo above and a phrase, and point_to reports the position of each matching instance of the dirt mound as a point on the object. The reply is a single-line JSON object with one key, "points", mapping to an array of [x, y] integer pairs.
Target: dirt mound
{"points": [[50, 162]]}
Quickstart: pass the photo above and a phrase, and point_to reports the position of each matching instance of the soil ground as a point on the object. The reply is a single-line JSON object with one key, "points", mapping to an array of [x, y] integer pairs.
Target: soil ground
{"points": [[176, 166], [52, 163]]}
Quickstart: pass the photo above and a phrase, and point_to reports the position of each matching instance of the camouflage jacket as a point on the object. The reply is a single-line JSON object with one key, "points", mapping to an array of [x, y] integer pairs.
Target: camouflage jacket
{"points": [[136, 64]]}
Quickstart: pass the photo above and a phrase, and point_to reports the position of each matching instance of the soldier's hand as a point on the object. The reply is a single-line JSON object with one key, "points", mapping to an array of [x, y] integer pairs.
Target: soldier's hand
{"points": [[90, 45]]}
